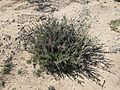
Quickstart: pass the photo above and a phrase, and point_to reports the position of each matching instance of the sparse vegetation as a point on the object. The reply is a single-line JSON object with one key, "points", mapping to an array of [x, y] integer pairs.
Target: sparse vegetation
{"points": [[14, 89], [2, 83], [115, 25], [7, 66], [20, 72], [117, 0], [51, 88], [60, 48], [44, 5], [29, 61]]}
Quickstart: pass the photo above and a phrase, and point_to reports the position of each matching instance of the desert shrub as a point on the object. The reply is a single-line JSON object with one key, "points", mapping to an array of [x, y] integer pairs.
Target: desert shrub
{"points": [[115, 24], [29, 61], [5, 70], [7, 66], [2, 83], [61, 48], [44, 5], [117, 0], [51, 88]]}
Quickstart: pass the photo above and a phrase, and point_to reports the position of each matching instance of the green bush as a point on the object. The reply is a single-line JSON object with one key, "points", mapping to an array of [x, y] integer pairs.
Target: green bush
{"points": [[115, 24], [117, 0], [51, 88], [7, 66], [60, 48]]}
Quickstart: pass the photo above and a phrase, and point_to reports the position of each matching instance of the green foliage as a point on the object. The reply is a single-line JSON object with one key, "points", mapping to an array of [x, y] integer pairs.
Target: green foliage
{"points": [[51, 88], [61, 48], [115, 25], [2, 83], [117, 0], [20, 72], [29, 61], [7, 66], [14, 89], [37, 72]]}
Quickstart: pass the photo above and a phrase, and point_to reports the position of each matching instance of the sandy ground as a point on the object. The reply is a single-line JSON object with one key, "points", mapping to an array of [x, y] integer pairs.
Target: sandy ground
{"points": [[14, 15]]}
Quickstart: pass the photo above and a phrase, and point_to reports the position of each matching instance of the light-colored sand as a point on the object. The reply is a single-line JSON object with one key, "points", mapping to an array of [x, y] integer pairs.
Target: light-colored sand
{"points": [[14, 15]]}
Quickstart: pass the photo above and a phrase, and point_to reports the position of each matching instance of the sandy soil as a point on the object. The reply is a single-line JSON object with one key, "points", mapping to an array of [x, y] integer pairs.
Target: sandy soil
{"points": [[14, 15]]}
